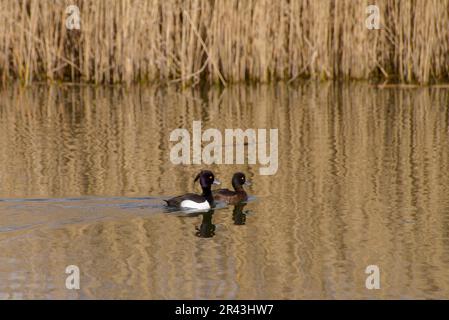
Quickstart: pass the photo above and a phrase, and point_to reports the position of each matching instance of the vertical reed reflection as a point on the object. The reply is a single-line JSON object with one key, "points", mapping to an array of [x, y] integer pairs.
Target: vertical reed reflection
{"points": [[363, 179]]}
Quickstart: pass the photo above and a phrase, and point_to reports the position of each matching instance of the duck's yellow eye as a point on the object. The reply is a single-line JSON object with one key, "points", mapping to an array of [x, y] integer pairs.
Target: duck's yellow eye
{"points": [[210, 177]]}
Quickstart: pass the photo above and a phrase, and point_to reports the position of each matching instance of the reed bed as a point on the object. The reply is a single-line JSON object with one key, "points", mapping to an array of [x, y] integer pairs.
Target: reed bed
{"points": [[223, 41]]}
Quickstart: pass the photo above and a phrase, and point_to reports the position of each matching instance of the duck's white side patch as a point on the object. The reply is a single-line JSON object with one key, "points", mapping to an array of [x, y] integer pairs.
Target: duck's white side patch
{"points": [[195, 205]]}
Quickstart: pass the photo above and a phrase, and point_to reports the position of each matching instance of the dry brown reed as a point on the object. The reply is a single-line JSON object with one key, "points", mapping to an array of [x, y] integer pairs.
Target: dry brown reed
{"points": [[223, 41]]}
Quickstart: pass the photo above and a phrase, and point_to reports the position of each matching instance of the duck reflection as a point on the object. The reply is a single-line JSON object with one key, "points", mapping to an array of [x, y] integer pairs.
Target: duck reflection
{"points": [[207, 228], [238, 215]]}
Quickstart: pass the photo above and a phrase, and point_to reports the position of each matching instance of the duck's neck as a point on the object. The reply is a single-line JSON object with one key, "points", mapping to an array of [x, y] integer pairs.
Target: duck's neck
{"points": [[237, 187], [207, 193]]}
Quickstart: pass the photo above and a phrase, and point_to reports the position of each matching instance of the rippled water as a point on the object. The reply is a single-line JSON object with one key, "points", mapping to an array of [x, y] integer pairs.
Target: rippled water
{"points": [[363, 179]]}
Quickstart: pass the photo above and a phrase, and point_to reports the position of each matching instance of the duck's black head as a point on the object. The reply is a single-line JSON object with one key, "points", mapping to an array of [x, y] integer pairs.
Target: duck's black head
{"points": [[206, 178], [238, 180]]}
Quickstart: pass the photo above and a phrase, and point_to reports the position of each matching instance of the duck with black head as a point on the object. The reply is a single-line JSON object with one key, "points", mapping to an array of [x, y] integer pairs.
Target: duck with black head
{"points": [[233, 197], [196, 201]]}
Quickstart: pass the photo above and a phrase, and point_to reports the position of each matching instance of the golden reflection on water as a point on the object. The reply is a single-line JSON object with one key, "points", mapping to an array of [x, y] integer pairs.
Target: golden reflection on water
{"points": [[363, 179]]}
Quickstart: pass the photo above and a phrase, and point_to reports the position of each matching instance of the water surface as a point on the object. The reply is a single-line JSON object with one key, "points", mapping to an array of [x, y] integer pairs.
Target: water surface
{"points": [[363, 179]]}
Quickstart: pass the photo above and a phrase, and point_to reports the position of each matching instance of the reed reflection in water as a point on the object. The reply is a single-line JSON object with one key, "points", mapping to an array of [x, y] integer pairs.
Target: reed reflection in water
{"points": [[363, 179]]}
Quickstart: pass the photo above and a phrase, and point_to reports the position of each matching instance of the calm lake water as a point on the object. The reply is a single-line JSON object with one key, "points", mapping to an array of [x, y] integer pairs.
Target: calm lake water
{"points": [[363, 179]]}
